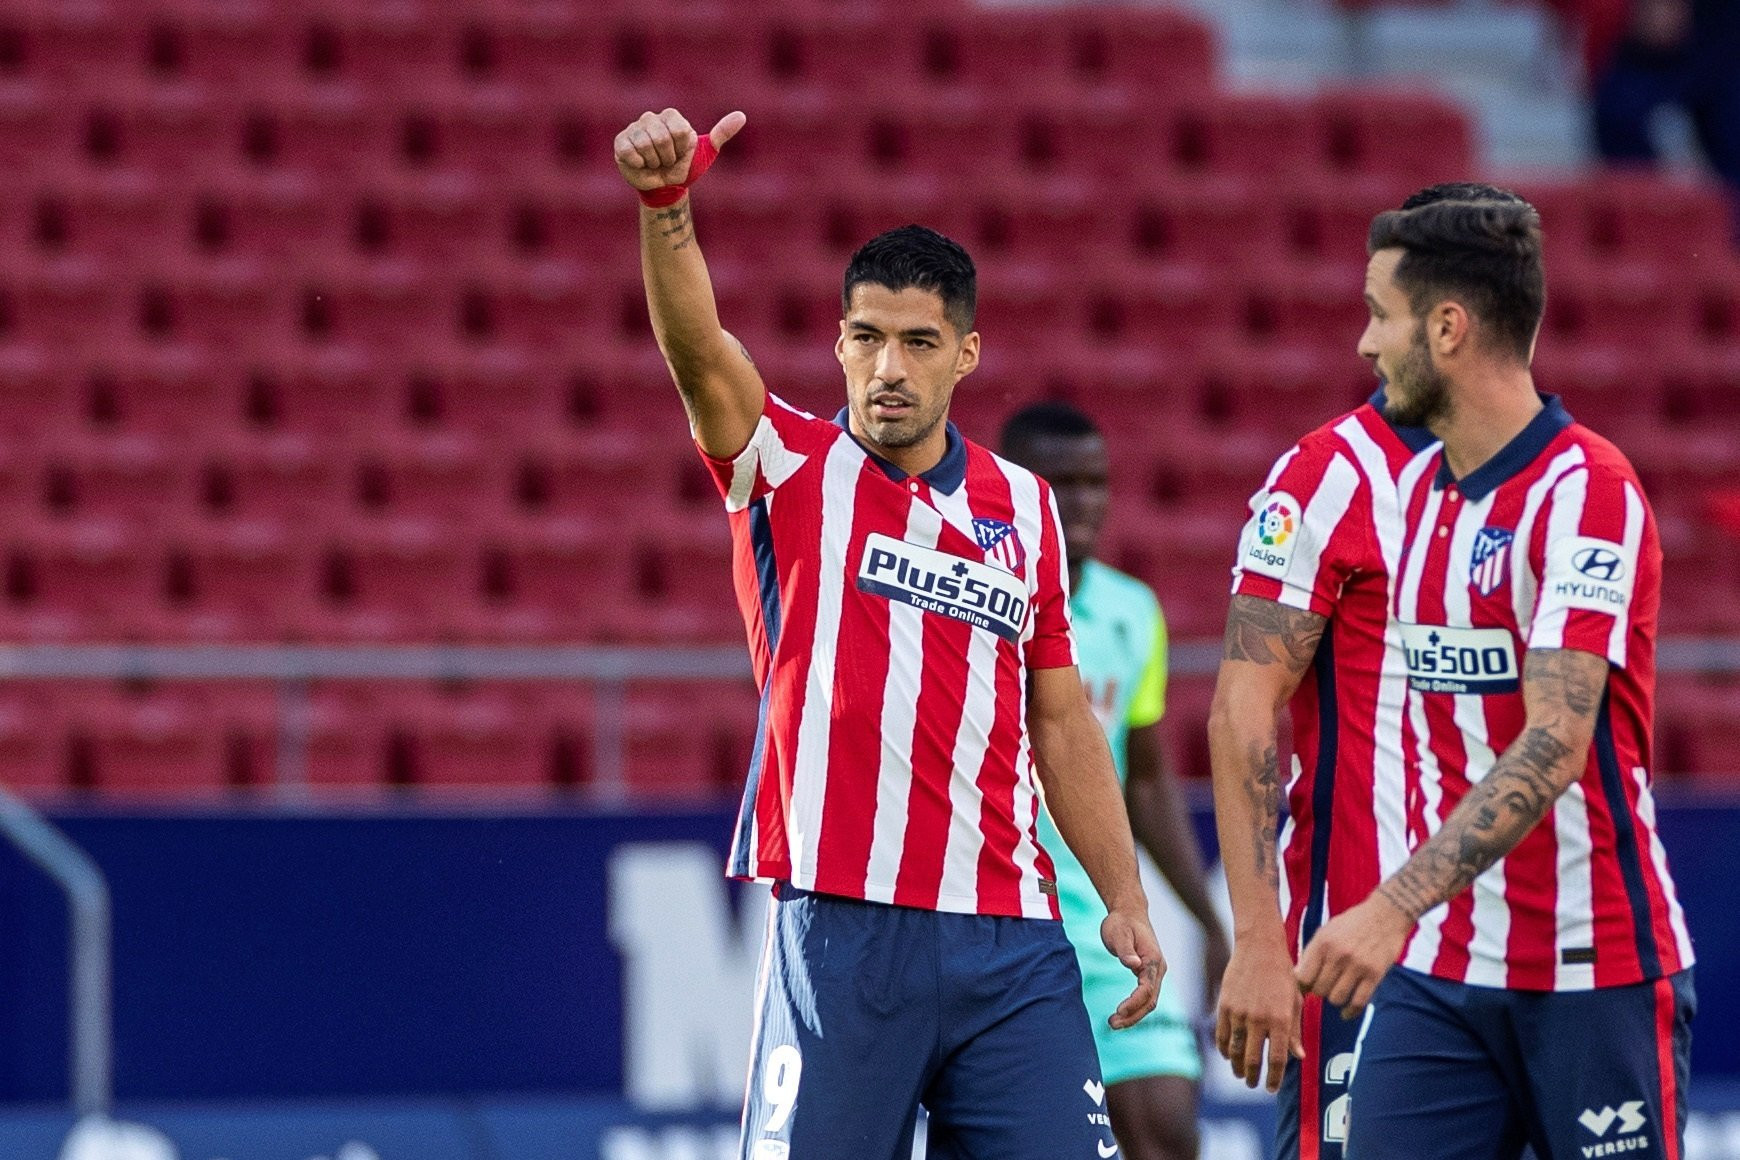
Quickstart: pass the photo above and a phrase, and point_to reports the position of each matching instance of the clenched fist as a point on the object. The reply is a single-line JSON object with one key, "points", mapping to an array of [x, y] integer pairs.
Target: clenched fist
{"points": [[656, 150]]}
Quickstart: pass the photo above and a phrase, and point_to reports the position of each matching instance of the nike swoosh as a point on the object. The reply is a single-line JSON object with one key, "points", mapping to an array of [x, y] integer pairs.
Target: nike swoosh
{"points": [[1107, 1150]]}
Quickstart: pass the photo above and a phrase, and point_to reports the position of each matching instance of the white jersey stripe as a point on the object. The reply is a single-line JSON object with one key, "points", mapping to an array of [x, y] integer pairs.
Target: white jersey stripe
{"points": [[1389, 772], [1324, 511], [960, 875], [1616, 641], [1524, 584], [1658, 856], [899, 721], [1569, 497], [1422, 951], [1574, 904], [839, 504], [1491, 911]]}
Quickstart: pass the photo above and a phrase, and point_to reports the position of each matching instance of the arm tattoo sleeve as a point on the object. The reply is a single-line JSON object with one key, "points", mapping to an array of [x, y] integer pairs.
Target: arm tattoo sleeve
{"points": [[1266, 633], [1563, 691]]}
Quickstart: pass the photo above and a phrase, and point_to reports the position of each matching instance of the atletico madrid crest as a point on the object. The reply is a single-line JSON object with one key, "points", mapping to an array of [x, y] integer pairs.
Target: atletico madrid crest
{"points": [[1002, 546], [1491, 559]]}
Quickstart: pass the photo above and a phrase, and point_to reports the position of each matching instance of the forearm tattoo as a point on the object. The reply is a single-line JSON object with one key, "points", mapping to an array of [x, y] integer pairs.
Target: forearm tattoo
{"points": [[1263, 789], [1563, 690], [1264, 633], [676, 226]]}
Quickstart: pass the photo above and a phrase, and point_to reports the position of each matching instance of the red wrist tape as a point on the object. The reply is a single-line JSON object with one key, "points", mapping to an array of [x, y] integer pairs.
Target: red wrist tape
{"points": [[667, 195]]}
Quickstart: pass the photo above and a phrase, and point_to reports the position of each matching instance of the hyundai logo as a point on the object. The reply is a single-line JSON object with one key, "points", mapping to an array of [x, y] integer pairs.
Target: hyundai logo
{"points": [[1599, 564]]}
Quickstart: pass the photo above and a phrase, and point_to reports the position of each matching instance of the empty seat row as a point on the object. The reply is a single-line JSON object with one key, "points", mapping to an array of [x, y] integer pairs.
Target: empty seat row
{"points": [[349, 138], [559, 46]]}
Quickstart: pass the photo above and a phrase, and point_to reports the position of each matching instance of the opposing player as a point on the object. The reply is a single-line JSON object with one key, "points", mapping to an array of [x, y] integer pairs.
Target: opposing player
{"points": [[1151, 1071], [905, 593], [1545, 993]]}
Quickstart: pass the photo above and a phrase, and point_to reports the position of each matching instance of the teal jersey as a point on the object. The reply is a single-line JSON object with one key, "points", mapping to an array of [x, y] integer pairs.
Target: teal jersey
{"points": [[1120, 638]]}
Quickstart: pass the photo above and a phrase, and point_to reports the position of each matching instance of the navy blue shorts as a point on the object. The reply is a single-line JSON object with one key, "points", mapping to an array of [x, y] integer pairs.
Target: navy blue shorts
{"points": [[865, 1011], [1449, 1071], [1311, 1113]]}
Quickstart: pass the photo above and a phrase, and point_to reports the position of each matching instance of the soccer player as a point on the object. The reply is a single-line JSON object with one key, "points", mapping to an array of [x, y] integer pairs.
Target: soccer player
{"points": [[905, 593], [1306, 632], [1544, 992], [1152, 1070]]}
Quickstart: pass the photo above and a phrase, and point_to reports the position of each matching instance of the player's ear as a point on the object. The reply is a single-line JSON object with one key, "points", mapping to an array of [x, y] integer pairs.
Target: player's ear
{"points": [[840, 344], [967, 361], [1449, 328]]}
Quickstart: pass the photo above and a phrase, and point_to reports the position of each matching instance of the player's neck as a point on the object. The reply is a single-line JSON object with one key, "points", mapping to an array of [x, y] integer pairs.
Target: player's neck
{"points": [[1485, 416], [914, 459]]}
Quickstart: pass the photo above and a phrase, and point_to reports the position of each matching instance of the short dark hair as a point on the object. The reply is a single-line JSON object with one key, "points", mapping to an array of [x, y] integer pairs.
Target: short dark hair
{"points": [[1460, 191], [1051, 418], [913, 257], [1484, 253]]}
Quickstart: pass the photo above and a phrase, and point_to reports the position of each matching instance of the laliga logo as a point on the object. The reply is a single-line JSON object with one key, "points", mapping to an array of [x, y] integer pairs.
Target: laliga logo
{"points": [[1599, 564], [1275, 524]]}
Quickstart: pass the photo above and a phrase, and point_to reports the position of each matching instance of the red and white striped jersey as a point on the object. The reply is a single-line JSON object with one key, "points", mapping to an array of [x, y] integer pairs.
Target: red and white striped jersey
{"points": [[892, 621], [1325, 534], [1548, 545]]}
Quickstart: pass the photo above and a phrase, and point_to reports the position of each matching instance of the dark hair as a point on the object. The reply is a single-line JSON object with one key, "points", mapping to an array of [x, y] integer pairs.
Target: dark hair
{"points": [[1485, 253], [913, 257], [1038, 420], [1461, 191]]}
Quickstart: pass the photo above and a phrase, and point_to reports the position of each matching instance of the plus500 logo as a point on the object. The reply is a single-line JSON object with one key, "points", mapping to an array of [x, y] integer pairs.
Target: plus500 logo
{"points": [[980, 594]]}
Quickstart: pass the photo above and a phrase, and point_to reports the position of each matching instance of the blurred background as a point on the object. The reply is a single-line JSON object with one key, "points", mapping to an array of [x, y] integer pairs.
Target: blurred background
{"points": [[372, 701]]}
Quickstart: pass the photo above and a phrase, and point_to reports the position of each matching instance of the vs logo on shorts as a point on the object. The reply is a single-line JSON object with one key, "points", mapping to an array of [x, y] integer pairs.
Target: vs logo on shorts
{"points": [[1490, 563], [1002, 546]]}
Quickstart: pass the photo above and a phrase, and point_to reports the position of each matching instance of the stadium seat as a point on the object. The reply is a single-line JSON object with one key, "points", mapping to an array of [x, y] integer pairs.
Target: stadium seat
{"points": [[136, 479], [148, 742], [82, 578], [1410, 137], [1647, 216], [1253, 136], [39, 392], [237, 579], [464, 736], [395, 579], [443, 475], [32, 738]]}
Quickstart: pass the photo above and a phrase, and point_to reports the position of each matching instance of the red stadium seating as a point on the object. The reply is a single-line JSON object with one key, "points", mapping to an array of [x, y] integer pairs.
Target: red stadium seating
{"points": [[323, 323]]}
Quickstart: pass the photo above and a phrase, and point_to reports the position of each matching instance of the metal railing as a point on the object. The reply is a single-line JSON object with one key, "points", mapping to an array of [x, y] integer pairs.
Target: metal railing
{"points": [[608, 670], [89, 1043]]}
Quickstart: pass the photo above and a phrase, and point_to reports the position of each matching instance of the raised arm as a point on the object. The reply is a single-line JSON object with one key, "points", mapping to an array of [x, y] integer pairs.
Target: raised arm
{"points": [[1562, 691], [721, 390], [1267, 650], [1081, 791]]}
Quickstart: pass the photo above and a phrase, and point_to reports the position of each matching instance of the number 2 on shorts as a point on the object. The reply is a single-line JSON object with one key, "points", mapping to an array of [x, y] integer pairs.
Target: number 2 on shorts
{"points": [[779, 1084]]}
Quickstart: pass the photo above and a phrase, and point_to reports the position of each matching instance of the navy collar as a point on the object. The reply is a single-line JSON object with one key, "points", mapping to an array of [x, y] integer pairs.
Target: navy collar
{"points": [[946, 477], [1513, 456], [1415, 439]]}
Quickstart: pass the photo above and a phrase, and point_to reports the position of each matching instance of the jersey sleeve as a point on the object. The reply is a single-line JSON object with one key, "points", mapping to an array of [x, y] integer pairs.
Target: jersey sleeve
{"points": [[1588, 562], [1148, 703], [1052, 645], [785, 438], [1303, 536]]}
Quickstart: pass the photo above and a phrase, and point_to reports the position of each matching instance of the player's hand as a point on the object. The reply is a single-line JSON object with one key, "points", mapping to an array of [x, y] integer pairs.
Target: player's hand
{"points": [[1259, 1012], [1129, 936], [1350, 954], [656, 149]]}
